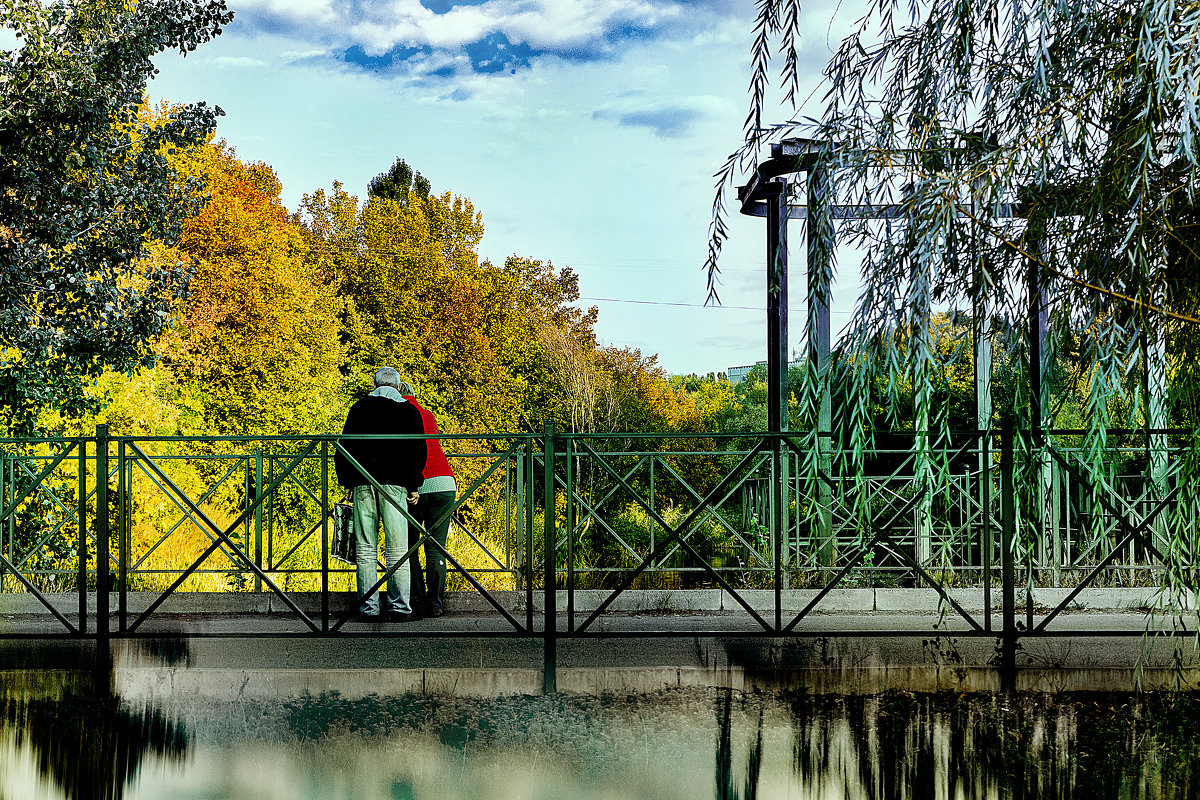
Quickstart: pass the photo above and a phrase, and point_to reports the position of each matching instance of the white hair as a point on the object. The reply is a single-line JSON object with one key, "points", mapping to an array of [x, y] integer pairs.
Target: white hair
{"points": [[387, 376]]}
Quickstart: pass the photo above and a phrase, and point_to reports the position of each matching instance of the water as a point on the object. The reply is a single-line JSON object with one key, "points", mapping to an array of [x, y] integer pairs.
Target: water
{"points": [[66, 732]]}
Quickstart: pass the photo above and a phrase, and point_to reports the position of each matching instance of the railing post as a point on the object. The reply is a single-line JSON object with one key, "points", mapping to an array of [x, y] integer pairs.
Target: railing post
{"points": [[509, 477], [81, 548], [1008, 660], [569, 524], [325, 536], [124, 535], [258, 516], [6, 534], [985, 534], [549, 542], [778, 498], [653, 506], [525, 493], [102, 532]]}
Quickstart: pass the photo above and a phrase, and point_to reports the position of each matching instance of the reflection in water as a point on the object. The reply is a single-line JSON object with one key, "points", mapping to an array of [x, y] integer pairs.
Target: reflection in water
{"points": [[687, 744], [900, 745], [83, 738], [726, 788], [894, 745]]}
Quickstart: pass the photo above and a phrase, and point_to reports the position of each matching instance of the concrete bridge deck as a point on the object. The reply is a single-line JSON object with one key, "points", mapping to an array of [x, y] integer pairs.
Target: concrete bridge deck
{"points": [[189, 646]]}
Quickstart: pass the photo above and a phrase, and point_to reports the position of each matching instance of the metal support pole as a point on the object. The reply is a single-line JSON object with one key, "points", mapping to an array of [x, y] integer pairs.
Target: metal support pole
{"points": [[777, 371], [102, 622], [549, 540], [777, 308]]}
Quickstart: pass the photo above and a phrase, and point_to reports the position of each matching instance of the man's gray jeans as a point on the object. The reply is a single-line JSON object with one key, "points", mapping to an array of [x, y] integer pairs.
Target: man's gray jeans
{"points": [[370, 508]]}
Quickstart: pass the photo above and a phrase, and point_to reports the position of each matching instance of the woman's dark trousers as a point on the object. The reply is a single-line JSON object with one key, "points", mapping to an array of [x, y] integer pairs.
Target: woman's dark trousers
{"points": [[433, 512]]}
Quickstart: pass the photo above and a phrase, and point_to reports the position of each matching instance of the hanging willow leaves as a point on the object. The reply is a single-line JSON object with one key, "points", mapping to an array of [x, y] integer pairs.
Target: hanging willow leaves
{"points": [[1052, 144]]}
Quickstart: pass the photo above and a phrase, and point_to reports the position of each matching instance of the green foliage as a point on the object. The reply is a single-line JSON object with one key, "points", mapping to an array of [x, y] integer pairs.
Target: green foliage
{"points": [[634, 535], [398, 183], [86, 187], [42, 531]]}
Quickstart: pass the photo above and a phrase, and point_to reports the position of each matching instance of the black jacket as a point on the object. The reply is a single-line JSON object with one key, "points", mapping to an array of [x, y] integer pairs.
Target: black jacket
{"points": [[395, 462]]}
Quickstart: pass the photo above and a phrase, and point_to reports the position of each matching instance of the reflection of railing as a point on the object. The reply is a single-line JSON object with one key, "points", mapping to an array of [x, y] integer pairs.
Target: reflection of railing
{"points": [[604, 511]]}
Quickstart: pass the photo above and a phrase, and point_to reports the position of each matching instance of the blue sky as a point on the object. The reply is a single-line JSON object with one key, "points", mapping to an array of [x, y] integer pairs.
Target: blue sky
{"points": [[586, 132]]}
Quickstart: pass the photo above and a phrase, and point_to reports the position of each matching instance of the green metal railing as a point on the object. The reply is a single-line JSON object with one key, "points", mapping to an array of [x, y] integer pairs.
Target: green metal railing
{"points": [[570, 511]]}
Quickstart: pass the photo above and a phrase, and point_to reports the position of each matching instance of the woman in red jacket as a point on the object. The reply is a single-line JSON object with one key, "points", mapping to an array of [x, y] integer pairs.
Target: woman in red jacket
{"points": [[433, 512]]}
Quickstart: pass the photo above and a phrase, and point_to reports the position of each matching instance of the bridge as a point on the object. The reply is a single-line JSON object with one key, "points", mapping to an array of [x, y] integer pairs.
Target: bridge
{"points": [[565, 540]]}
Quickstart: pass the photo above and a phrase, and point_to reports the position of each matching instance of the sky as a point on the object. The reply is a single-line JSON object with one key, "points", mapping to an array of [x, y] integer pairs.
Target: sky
{"points": [[586, 132]]}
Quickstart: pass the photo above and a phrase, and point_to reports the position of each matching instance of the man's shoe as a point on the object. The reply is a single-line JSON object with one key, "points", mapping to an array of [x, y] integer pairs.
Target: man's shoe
{"points": [[436, 611], [398, 617], [360, 617]]}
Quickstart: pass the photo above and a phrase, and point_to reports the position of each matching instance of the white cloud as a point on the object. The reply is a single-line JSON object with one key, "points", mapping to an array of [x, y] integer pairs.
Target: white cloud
{"points": [[545, 25], [554, 24], [313, 11], [292, 56], [237, 62]]}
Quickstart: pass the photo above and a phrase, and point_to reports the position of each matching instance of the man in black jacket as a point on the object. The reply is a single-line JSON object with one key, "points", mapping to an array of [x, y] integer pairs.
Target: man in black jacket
{"points": [[395, 466]]}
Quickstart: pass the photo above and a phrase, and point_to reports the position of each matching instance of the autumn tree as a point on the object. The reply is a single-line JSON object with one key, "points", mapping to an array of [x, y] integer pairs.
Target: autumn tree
{"points": [[257, 339], [464, 332], [523, 297], [86, 187], [392, 263]]}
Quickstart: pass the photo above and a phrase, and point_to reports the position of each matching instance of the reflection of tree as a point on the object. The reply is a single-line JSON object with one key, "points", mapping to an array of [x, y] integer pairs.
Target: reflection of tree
{"points": [[899, 745], [85, 739], [726, 788]]}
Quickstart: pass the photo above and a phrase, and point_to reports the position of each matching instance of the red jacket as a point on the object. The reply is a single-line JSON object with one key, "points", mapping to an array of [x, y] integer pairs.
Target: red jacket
{"points": [[436, 464]]}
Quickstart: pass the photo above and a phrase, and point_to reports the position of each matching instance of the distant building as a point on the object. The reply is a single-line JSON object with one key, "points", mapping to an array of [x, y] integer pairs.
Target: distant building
{"points": [[738, 374]]}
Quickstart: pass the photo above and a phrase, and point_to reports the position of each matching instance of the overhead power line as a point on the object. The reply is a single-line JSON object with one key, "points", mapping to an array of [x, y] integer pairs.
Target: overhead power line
{"points": [[687, 305], [663, 303]]}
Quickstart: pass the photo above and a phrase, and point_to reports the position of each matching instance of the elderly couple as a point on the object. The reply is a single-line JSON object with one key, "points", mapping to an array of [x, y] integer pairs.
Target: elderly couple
{"points": [[408, 471]]}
